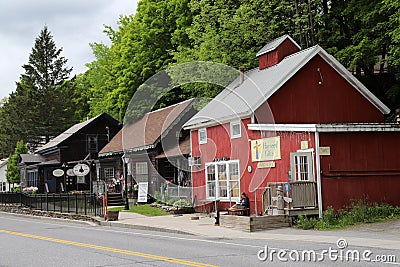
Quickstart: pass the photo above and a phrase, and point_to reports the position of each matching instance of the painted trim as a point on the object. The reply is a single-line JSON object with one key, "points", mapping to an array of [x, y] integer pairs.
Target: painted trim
{"points": [[283, 127], [327, 128], [198, 133], [318, 173], [233, 123]]}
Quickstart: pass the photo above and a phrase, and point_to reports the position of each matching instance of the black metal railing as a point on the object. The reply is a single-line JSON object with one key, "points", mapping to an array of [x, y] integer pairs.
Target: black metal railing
{"points": [[83, 203]]}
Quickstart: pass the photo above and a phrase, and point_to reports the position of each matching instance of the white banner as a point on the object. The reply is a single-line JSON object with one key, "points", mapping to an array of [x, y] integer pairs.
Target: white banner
{"points": [[143, 189]]}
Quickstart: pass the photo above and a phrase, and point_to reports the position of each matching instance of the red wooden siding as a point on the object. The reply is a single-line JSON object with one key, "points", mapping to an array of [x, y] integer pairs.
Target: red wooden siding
{"points": [[361, 166], [220, 145], [274, 57], [303, 100]]}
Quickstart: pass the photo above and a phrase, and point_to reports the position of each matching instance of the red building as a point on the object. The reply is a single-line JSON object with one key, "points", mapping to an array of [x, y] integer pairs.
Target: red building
{"points": [[301, 121]]}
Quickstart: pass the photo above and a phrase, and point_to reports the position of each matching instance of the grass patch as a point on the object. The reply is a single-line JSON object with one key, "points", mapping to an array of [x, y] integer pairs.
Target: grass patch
{"points": [[144, 209], [358, 213]]}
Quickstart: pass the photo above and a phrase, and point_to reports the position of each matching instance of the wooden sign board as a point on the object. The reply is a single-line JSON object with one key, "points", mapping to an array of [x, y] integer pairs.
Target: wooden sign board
{"points": [[324, 151], [266, 164]]}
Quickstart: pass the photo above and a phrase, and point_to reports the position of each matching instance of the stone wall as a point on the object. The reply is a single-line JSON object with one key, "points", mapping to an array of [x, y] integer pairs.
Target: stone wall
{"points": [[27, 211]]}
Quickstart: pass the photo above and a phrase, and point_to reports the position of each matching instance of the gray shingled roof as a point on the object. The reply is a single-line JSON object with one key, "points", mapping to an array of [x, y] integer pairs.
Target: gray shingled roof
{"points": [[31, 158], [274, 44], [240, 101], [65, 135]]}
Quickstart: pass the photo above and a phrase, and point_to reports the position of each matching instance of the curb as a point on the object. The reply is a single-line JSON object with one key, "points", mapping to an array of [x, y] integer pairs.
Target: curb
{"points": [[144, 227]]}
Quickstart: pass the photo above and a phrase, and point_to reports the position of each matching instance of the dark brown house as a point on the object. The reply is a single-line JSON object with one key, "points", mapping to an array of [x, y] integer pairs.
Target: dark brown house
{"points": [[156, 149], [78, 144]]}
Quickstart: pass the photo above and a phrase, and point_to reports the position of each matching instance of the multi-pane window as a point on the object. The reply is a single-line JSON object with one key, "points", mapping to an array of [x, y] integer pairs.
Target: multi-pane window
{"points": [[302, 166], [235, 130], [109, 173], [234, 179], [211, 180], [142, 172], [222, 180], [92, 145], [3, 187], [32, 178], [203, 136]]}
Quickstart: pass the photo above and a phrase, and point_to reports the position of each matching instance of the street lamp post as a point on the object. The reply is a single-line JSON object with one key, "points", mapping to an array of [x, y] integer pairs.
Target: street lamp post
{"points": [[64, 166], [125, 161]]}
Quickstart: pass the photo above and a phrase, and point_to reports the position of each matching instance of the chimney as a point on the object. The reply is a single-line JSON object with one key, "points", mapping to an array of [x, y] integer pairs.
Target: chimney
{"points": [[241, 78]]}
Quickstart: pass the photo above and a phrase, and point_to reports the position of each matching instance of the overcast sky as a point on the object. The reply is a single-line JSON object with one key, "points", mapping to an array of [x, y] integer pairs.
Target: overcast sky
{"points": [[73, 23]]}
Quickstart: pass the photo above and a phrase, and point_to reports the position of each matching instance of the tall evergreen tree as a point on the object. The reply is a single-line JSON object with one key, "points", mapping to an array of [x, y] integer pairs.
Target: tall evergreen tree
{"points": [[42, 105]]}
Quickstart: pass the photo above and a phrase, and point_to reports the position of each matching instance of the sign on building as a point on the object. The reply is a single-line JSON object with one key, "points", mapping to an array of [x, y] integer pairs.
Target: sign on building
{"points": [[266, 149], [142, 193]]}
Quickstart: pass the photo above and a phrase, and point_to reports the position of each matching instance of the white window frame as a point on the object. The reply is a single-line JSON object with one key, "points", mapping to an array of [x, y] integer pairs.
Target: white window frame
{"points": [[201, 141], [216, 194], [142, 172], [109, 173], [302, 166], [232, 124]]}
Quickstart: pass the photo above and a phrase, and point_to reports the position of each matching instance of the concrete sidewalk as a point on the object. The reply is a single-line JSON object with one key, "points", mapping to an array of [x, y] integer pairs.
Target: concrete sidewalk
{"points": [[379, 235]]}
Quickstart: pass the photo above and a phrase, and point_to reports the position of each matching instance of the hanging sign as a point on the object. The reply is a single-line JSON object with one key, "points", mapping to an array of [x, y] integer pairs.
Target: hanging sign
{"points": [[58, 172], [142, 193], [81, 169], [80, 179], [70, 172], [266, 149]]}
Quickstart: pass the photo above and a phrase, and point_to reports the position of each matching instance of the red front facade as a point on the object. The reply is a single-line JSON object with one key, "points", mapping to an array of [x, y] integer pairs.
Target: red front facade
{"points": [[362, 165]]}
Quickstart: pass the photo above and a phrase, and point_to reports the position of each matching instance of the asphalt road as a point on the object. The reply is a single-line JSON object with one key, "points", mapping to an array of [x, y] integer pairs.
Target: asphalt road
{"points": [[32, 241]]}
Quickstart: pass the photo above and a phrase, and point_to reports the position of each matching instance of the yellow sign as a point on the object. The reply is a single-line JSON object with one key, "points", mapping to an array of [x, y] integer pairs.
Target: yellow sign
{"points": [[266, 149], [266, 164], [325, 151], [304, 145]]}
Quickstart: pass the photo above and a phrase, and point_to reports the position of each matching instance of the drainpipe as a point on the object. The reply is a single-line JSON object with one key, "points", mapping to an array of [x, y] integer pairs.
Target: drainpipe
{"points": [[318, 171]]}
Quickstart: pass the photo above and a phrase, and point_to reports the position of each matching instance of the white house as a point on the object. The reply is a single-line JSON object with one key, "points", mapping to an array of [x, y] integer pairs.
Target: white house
{"points": [[4, 186]]}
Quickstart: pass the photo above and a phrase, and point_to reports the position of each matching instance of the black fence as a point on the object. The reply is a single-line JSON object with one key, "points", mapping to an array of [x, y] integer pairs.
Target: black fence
{"points": [[87, 204]]}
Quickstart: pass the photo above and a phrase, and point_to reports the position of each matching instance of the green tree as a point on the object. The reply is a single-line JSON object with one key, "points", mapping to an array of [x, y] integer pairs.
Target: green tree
{"points": [[13, 170], [42, 105]]}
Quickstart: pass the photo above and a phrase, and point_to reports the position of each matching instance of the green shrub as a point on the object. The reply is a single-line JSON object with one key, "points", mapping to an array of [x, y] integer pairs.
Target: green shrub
{"points": [[306, 223], [358, 212], [181, 204]]}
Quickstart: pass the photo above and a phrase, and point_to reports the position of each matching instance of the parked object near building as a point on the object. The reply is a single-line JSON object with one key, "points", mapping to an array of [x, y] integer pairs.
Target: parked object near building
{"points": [[300, 121]]}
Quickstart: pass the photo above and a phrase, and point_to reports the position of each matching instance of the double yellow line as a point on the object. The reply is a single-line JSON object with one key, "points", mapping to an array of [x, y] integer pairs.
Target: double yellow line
{"points": [[115, 250]]}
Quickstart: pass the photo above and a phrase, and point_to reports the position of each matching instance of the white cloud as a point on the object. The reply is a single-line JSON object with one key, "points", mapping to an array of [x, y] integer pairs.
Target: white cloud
{"points": [[74, 24]]}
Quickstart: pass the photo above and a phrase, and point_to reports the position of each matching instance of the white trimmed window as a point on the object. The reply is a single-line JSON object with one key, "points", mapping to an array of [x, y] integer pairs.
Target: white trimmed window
{"points": [[302, 166], [109, 173], [142, 172], [203, 136], [236, 129], [222, 180]]}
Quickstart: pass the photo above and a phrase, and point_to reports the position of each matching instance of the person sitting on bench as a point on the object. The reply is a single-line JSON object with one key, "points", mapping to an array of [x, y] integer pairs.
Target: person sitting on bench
{"points": [[243, 204]]}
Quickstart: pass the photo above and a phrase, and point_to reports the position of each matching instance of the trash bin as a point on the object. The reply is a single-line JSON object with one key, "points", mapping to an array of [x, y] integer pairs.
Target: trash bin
{"points": [[112, 215]]}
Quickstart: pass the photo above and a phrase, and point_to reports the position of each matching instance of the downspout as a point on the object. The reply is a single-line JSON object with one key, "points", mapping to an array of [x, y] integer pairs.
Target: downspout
{"points": [[318, 172]]}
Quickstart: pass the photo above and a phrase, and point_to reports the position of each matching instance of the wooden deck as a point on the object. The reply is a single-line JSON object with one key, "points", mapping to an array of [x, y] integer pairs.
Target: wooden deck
{"points": [[254, 223]]}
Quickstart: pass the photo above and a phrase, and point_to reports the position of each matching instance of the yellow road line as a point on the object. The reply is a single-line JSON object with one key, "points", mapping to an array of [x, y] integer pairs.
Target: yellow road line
{"points": [[115, 250]]}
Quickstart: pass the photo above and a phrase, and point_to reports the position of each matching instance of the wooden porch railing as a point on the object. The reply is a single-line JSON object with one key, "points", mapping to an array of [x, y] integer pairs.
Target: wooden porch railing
{"points": [[302, 194]]}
